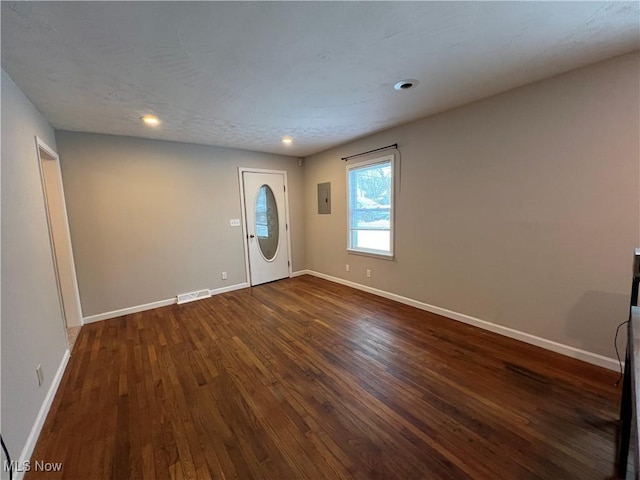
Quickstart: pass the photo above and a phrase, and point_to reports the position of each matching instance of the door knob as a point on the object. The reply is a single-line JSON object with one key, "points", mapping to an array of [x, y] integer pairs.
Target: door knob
{"points": [[252, 236]]}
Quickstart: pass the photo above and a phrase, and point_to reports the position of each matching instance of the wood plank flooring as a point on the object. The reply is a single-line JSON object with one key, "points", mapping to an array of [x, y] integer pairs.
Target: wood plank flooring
{"points": [[307, 379]]}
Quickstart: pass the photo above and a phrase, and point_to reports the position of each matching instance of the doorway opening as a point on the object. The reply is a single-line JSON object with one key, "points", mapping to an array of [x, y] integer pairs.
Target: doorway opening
{"points": [[60, 238]]}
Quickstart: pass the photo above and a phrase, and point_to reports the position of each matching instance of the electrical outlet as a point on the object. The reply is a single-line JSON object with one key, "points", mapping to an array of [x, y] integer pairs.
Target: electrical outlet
{"points": [[346, 267], [40, 375], [368, 273], [234, 222], [224, 275]]}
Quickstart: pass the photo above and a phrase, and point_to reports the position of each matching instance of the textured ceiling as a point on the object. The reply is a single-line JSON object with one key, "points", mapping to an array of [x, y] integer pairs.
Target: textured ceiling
{"points": [[244, 75]]}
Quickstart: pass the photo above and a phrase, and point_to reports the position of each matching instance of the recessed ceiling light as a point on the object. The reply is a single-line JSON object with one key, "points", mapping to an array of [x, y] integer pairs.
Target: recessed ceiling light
{"points": [[405, 84], [150, 120], [287, 140]]}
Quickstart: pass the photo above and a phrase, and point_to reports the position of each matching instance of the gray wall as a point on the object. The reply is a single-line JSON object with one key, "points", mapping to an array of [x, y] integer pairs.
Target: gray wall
{"points": [[32, 323], [150, 219], [521, 209]]}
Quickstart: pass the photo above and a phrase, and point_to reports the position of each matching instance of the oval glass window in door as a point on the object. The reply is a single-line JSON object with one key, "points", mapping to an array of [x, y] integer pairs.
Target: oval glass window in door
{"points": [[267, 227]]}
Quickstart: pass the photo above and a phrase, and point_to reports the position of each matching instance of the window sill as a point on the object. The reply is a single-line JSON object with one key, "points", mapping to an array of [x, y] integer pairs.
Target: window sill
{"points": [[371, 253]]}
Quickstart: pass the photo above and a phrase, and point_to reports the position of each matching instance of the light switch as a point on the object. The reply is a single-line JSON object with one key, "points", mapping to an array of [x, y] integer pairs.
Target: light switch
{"points": [[234, 222]]}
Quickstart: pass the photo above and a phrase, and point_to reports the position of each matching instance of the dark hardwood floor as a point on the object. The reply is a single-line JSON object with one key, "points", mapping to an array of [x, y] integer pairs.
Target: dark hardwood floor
{"points": [[304, 378]]}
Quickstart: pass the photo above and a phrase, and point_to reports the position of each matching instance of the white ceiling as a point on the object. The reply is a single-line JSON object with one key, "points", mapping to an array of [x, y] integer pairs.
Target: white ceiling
{"points": [[245, 74]]}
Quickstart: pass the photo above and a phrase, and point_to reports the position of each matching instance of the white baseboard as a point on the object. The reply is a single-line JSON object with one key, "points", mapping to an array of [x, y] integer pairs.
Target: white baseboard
{"points": [[299, 273], [128, 311], [230, 288], [589, 357], [150, 306], [27, 451]]}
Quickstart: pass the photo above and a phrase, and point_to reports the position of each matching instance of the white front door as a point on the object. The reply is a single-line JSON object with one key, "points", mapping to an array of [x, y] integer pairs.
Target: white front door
{"points": [[266, 226]]}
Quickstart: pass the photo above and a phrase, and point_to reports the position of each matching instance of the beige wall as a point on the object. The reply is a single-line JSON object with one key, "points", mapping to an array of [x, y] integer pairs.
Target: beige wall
{"points": [[32, 324], [150, 219], [520, 210]]}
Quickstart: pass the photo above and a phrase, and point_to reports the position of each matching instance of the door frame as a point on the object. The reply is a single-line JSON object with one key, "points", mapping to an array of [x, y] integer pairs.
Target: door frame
{"points": [[243, 213], [43, 147]]}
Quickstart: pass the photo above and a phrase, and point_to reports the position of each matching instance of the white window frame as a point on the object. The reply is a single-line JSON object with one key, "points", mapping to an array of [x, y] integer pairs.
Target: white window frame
{"points": [[365, 251]]}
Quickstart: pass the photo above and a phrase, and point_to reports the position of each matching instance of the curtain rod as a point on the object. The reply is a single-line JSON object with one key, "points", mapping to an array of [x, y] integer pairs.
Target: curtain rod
{"points": [[395, 145]]}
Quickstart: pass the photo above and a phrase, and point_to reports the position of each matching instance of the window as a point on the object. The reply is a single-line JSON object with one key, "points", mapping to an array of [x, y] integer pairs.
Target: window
{"points": [[262, 226], [370, 204]]}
